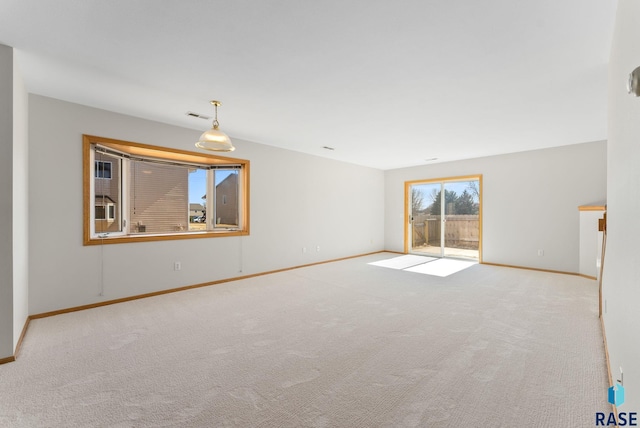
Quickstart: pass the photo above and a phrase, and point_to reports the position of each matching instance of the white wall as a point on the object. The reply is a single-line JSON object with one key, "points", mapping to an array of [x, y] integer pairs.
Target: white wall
{"points": [[20, 205], [530, 201], [6, 190], [297, 201], [590, 243], [621, 277]]}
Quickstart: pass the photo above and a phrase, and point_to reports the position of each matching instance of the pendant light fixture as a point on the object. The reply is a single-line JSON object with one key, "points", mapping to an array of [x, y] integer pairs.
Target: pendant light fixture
{"points": [[214, 139]]}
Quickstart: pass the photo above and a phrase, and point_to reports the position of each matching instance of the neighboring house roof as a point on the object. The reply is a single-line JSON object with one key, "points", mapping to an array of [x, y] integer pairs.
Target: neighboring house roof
{"points": [[229, 178], [104, 198]]}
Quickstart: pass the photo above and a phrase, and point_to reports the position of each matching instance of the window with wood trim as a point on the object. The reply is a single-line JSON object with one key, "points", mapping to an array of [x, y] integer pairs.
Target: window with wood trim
{"points": [[137, 192]]}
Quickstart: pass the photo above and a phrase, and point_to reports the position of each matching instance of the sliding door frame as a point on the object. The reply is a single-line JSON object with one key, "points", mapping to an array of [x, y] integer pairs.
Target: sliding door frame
{"points": [[407, 203]]}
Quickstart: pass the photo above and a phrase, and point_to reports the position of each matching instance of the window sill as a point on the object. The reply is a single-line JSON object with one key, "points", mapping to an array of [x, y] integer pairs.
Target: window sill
{"points": [[126, 239]]}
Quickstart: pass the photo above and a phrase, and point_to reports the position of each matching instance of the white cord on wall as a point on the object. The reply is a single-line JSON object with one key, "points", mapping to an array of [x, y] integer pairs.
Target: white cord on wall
{"points": [[240, 261], [102, 236]]}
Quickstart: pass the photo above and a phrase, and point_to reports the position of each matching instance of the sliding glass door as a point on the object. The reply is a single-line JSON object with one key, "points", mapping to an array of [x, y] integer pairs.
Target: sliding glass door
{"points": [[462, 219], [444, 217], [426, 233]]}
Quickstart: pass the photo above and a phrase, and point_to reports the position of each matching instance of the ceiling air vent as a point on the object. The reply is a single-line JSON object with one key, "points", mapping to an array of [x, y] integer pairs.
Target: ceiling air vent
{"points": [[198, 115]]}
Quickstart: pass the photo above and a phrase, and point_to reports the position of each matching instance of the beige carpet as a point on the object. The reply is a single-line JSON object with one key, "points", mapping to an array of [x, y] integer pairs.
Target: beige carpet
{"points": [[345, 344]]}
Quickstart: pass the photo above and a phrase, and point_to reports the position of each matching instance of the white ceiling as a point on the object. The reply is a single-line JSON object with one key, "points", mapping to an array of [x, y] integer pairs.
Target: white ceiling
{"points": [[388, 84]]}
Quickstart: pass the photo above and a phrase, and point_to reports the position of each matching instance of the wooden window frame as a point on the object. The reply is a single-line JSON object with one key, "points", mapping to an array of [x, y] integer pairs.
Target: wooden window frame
{"points": [[163, 154]]}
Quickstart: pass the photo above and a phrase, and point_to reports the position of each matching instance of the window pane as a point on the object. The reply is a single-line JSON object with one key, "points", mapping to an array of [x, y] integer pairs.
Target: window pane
{"points": [[226, 202], [159, 199], [197, 199], [106, 168], [102, 169], [99, 212], [107, 193]]}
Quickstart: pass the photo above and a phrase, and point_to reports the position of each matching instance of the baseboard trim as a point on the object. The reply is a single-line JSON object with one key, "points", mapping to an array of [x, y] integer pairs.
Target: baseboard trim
{"points": [[24, 332], [188, 287], [18, 345], [7, 360], [608, 361], [536, 269]]}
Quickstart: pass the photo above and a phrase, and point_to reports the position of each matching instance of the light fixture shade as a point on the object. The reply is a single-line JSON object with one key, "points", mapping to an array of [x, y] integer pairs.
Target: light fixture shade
{"points": [[215, 140]]}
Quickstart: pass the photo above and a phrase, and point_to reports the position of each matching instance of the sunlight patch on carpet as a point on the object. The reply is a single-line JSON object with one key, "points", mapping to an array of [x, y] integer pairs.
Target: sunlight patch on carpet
{"points": [[425, 265], [441, 267], [402, 262]]}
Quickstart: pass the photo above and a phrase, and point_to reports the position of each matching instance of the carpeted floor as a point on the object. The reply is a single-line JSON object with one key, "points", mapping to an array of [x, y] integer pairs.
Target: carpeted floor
{"points": [[344, 344]]}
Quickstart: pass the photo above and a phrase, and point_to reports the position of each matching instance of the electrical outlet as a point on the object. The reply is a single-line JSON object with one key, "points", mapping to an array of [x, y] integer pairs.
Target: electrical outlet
{"points": [[304, 249], [317, 247], [540, 252], [177, 266], [621, 380]]}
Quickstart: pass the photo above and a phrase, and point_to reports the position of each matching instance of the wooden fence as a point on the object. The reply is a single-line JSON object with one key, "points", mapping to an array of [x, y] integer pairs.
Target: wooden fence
{"points": [[461, 231]]}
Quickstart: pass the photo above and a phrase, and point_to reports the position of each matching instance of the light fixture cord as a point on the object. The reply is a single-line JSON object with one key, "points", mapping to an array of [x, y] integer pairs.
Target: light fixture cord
{"points": [[216, 124]]}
